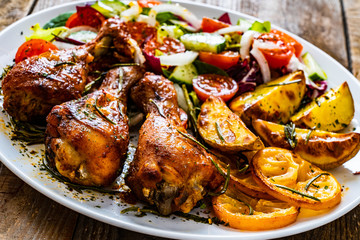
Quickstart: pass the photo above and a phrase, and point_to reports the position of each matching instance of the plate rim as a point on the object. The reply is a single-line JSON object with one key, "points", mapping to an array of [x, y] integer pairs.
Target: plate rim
{"points": [[282, 232]]}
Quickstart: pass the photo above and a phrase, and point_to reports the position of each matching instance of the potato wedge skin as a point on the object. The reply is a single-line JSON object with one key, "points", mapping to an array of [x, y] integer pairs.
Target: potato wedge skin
{"points": [[326, 150], [224, 130], [294, 173], [275, 101], [332, 111]]}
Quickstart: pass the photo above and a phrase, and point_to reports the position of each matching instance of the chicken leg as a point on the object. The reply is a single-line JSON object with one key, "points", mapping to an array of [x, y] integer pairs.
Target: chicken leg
{"points": [[169, 169], [87, 138]]}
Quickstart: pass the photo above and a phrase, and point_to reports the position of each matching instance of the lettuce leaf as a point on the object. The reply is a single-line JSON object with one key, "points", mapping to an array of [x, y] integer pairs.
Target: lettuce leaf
{"points": [[58, 21]]}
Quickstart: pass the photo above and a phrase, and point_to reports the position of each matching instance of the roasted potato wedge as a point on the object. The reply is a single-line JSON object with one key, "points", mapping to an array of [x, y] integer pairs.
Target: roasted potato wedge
{"points": [[243, 212], [324, 149], [222, 129], [275, 101], [332, 111], [289, 178]]}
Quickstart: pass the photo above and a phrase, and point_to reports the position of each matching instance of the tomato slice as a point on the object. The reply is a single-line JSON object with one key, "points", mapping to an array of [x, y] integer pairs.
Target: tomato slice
{"points": [[206, 85], [223, 60], [33, 47], [297, 46], [148, 3], [211, 25], [280, 55], [87, 16]]}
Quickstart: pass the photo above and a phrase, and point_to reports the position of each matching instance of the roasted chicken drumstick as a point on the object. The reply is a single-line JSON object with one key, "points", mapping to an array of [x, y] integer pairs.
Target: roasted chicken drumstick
{"points": [[87, 138], [169, 169], [38, 83]]}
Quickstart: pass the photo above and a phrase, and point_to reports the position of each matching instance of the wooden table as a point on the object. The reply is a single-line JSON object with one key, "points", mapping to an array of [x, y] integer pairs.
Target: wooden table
{"points": [[332, 25]]}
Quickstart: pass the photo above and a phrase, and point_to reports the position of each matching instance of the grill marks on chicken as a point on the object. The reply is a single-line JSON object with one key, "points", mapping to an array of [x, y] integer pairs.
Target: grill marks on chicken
{"points": [[87, 139], [168, 170], [38, 83]]}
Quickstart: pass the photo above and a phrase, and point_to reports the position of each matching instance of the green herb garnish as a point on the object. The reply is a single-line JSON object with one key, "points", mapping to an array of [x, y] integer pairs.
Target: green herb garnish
{"points": [[64, 63], [26, 132], [227, 179], [308, 136], [123, 65], [313, 179], [192, 111], [290, 134], [91, 84], [297, 192], [282, 84]]}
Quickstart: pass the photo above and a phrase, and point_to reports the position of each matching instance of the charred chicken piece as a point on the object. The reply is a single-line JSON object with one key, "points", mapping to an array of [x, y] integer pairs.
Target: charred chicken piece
{"points": [[38, 83], [168, 170], [87, 138]]}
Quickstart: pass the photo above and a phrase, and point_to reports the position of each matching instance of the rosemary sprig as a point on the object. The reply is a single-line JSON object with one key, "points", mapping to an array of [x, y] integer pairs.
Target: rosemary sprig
{"points": [[244, 169], [91, 84], [290, 134], [124, 65], [313, 179], [195, 141], [101, 113], [161, 112], [251, 210], [227, 180], [64, 63], [282, 84], [27, 132], [308, 136], [77, 187], [192, 111], [218, 168], [219, 132], [297, 192]]}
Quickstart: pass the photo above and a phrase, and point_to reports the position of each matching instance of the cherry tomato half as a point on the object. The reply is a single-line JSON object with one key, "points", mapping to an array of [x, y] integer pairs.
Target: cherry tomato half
{"points": [[279, 56], [148, 3], [297, 46], [211, 25], [87, 16], [223, 60], [33, 47], [206, 85]]}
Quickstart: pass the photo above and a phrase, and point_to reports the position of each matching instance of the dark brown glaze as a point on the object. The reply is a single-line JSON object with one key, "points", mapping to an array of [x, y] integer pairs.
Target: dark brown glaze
{"points": [[168, 170], [85, 146]]}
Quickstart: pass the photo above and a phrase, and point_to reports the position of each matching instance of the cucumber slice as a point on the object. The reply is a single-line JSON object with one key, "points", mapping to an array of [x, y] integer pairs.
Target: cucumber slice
{"points": [[184, 74], [109, 8], [312, 68], [208, 42]]}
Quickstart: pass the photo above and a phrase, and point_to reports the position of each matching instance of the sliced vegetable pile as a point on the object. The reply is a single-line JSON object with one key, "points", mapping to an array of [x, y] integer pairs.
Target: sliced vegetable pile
{"points": [[266, 80]]}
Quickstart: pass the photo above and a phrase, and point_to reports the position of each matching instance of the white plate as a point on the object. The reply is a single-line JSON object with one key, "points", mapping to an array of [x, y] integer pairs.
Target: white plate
{"points": [[107, 210]]}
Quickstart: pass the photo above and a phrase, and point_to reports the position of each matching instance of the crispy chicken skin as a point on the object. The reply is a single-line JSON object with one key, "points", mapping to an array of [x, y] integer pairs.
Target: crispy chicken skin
{"points": [[38, 83], [87, 138], [168, 170]]}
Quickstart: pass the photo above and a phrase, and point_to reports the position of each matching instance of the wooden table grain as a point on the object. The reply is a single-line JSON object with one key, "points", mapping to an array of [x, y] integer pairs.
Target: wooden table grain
{"points": [[332, 25]]}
